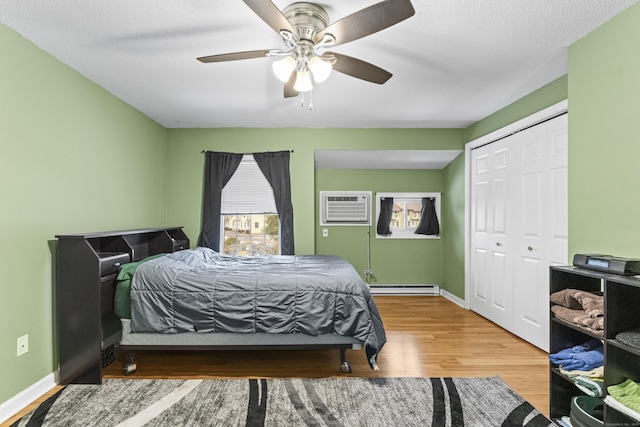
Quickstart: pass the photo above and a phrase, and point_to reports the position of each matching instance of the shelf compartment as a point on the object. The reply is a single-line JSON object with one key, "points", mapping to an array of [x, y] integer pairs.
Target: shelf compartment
{"points": [[633, 350], [621, 365], [565, 335], [574, 278], [622, 301]]}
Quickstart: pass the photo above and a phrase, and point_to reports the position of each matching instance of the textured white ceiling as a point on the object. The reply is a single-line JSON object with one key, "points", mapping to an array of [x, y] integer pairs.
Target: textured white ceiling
{"points": [[453, 63]]}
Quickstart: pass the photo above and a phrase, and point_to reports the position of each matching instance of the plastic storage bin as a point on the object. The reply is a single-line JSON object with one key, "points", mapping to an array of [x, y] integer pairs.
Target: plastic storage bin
{"points": [[587, 411]]}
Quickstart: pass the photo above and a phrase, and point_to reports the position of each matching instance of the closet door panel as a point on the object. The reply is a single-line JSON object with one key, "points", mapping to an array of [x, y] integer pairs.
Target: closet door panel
{"points": [[501, 255], [558, 133], [558, 247], [530, 301], [501, 289], [481, 192], [501, 161], [480, 297], [532, 199], [490, 239], [480, 236], [499, 207], [530, 316]]}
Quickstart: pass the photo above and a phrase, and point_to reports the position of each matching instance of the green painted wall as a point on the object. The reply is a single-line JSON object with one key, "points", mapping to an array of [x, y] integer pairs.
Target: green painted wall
{"points": [[73, 159], [185, 171], [393, 261], [453, 217], [537, 100], [604, 148]]}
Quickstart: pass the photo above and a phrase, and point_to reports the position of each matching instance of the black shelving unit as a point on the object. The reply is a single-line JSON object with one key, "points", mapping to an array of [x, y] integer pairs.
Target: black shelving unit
{"points": [[87, 267], [622, 313]]}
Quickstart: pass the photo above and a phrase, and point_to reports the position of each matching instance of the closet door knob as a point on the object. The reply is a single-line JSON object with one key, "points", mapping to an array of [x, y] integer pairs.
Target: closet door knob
{"points": [[498, 244], [529, 248]]}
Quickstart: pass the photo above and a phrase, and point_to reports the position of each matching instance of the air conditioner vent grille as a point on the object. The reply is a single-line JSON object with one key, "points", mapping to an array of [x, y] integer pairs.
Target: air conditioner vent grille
{"points": [[345, 209], [342, 198]]}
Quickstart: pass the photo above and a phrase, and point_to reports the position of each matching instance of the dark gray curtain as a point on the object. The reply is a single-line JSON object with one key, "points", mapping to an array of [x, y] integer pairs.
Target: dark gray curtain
{"points": [[218, 170], [386, 212], [275, 167], [428, 219]]}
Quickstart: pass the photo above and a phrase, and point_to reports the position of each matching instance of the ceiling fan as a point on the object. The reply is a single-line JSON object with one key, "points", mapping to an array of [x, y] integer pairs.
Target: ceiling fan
{"points": [[305, 30]]}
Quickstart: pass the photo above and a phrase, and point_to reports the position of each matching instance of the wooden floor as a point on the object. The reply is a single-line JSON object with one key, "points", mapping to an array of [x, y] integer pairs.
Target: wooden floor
{"points": [[426, 337]]}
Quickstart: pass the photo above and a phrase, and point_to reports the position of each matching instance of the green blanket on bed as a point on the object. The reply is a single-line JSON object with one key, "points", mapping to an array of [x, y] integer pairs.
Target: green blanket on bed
{"points": [[122, 296]]}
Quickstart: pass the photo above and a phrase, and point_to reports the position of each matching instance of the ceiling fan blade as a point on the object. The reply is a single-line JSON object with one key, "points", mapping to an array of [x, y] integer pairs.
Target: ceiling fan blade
{"points": [[234, 56], [269, 13], [368, 21], [357, 68], [289, 91]]}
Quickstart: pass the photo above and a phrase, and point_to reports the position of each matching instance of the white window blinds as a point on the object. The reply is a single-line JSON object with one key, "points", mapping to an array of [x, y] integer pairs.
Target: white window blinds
{"points": [[248, 191]]}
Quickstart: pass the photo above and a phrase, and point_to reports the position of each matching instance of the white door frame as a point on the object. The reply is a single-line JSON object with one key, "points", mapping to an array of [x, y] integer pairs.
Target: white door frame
{"points": [[540, 116]]}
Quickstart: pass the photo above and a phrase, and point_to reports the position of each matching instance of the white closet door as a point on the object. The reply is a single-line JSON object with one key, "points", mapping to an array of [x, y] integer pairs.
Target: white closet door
{"points": [[492, 266], [519, 227], [540, 217], [558, 248]]}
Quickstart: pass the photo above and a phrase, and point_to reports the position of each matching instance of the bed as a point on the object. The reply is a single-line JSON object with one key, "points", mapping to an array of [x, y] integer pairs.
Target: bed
{"points": [[201, 299]]}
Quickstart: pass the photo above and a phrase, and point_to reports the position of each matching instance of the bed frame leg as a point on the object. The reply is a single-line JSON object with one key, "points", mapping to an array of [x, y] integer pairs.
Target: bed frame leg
{"points": [[344, 365], [130, 367]]}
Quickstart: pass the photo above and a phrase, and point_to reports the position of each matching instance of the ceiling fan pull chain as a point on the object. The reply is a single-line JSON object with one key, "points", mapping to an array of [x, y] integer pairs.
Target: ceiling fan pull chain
{"points": [[310, 100], [302, 99]]}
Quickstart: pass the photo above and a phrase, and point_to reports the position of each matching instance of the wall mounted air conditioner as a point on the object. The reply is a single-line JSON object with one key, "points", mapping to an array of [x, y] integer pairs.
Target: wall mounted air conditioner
{"points": [[345, 208]]}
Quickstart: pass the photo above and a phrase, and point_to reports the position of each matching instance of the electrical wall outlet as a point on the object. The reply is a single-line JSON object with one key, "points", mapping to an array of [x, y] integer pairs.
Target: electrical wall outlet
{"points": [[325, 232], [23, 345]]}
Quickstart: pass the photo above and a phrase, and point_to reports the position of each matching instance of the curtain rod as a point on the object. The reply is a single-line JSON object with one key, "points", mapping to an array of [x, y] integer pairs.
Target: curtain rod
{"points": [[291, 151]]}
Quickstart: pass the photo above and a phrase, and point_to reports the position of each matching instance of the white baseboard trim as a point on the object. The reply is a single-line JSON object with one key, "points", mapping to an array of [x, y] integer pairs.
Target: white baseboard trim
{"points": [[454, 299], [21, 400], [433, 290]]}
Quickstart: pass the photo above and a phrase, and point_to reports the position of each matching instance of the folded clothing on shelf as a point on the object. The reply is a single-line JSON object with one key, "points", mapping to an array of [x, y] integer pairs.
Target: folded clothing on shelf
{"points": [[589, 345], [593, 388], [627, 393], [630, 338], [590, 303], [595, 373], [591, 382], [584, 357], [581, 308]]}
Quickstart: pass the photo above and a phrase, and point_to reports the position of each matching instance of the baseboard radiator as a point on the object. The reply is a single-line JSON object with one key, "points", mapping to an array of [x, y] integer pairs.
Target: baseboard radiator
{"points": [[433, 290]]}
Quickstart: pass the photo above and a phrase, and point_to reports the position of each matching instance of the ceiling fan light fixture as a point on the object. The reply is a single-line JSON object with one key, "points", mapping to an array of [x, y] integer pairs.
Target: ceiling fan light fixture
{"points": [[306, 33], [303, 82], [284, 67], [320, 69]]}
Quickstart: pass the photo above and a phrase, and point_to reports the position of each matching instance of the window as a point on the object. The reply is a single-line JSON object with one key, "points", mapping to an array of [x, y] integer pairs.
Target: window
{"points": [[247, 200], [406, 214]]}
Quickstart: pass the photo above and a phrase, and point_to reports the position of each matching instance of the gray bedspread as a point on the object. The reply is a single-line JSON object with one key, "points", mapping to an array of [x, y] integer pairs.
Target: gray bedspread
{"points": [[201, 290]]}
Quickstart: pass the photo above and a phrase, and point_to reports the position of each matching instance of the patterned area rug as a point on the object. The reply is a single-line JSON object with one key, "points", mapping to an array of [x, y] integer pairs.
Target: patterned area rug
{"points": [[454, 402]]}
